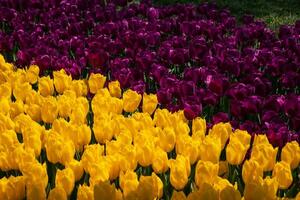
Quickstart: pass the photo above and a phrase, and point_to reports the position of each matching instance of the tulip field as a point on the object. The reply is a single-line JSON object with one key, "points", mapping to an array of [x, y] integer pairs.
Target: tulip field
{"points": [[130, 100]]}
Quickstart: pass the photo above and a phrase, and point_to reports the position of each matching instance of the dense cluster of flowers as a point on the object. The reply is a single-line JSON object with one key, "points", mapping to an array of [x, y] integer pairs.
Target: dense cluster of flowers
{"points": [[86, 139], [194, 56]]}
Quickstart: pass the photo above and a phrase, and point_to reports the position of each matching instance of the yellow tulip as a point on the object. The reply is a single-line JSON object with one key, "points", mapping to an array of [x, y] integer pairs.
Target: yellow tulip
{"points": [[236, 151], [96, 82], [222, 131], [57, 193], [4, 106], [65, 105], [178, 195], [252, 171], [66, 179], [206, 192], [128, 182], [62, 81], [291, 154], [210, 149], [85, 193], [114, 89], [264, 190], [5, 90], [77, 168], [79, 87], [105, 190], [149, 103], [16, 108], [283, 174], [160, 161], [199, 128], [15, 188], [167, 139], [49, 109], [34, 111], [46, 87], [265, 154], [21, 90], [179, 172], [230, 193], [32, 74], [91, 155], [206, 172], [131, 100]]}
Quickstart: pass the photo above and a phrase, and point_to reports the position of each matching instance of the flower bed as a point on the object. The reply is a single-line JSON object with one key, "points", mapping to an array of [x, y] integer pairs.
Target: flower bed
{"points": [[86, 139], [195, 57]]}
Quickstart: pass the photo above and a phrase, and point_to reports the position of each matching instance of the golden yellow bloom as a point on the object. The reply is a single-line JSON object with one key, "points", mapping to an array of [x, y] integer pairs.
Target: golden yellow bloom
{"points": [[222, 131], [62, 81], [243, 136], [131, 100], [15, 187], [99, 171], [206, 192], [283, 174], [57, 193], [260, 139], [114, 165], [236, 151], [150, 187], [79, 87], [144, 152], [34, 111], [5, 90], [32, 74], [230, 193], [6, 123], [58, 149], [16, 108], [114, 89], [199, 128], [65, 105], [91, 155], [85, 193], [105, 190], [160, 161], [128, 182], [265, 154], [252, 171], [66, 179], [96, 82], [206, 172], [21, 90], [4, 106], [77, 168], [128, 151], [167, 139], [104, 129], [179, 172], [149, 103], [210, 149], [178, 195], [291, 154], [46, 87], [32, 138], [49, 109], [265, 189]]}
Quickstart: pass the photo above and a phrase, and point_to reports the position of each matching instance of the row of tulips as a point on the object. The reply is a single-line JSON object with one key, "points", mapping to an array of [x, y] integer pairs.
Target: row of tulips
{"points": [[195, 57], [86, 139]]}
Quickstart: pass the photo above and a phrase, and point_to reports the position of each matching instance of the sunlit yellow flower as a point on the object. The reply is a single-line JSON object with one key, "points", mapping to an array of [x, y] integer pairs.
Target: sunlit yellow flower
{"points": [[222, 131], [291, 154], [96, 82], [282, 173], [128, 182], [57, 193], [79, 87], [178, 195], [46, 87], [206, 172], [32, 74], [114, 89], [49, 109], [62, 81], [210, 149], [149, 103], [77, 168], [179, 172], [85, 193], [199, 128], [167, 139], [66, 179], [131, 100], [160, 161], [252, 171], [265, 154], [236, 151]]}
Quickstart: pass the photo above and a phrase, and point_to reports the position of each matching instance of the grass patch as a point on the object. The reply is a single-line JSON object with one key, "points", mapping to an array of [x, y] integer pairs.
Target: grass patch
{"points": [[273, 12]]}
